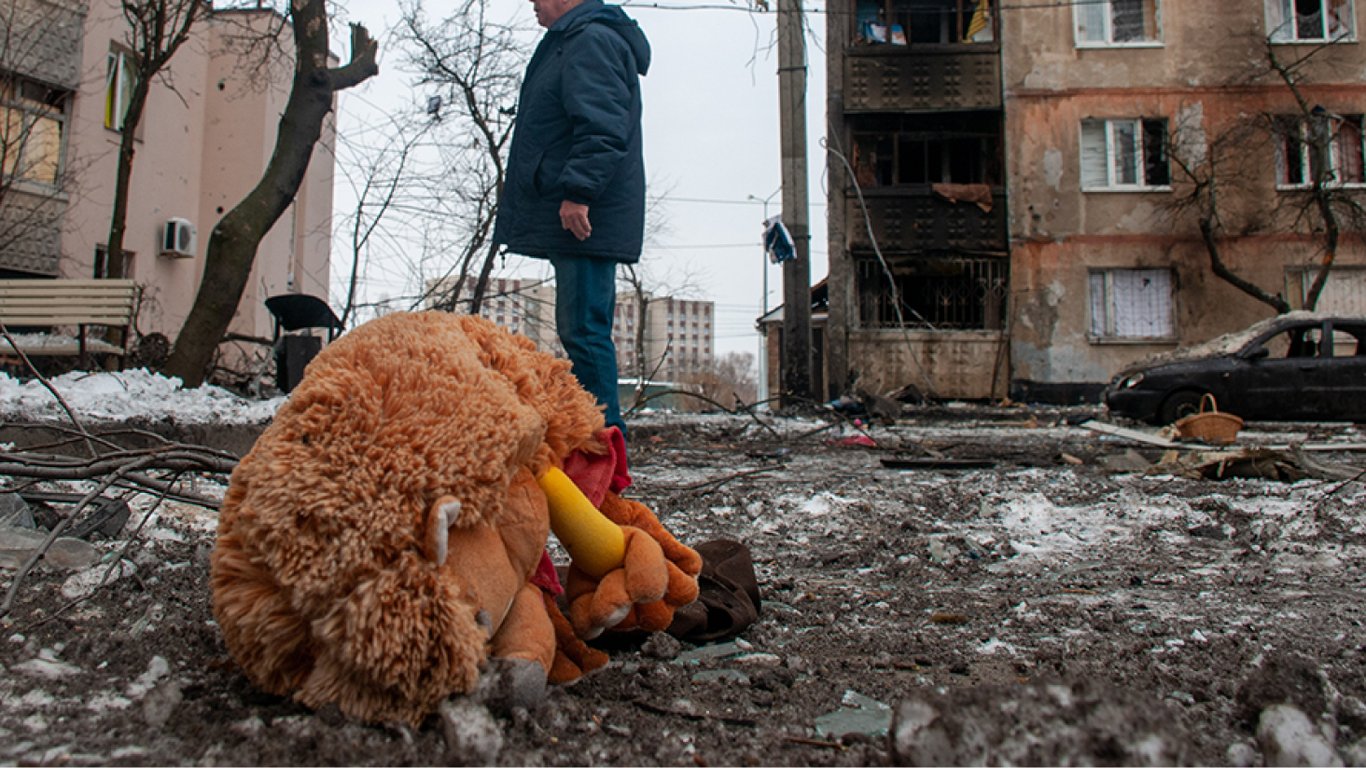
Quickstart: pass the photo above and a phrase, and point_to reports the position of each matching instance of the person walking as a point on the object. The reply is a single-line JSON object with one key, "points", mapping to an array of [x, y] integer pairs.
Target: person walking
{"points": [[574, 192]]}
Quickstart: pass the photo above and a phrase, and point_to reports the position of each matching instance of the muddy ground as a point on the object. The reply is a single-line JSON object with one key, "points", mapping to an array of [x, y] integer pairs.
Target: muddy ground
{"points": [[1033, 602]]}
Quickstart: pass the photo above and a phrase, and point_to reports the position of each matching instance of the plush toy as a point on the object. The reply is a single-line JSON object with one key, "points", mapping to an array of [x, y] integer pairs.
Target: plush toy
{"points": [[386, 535]]}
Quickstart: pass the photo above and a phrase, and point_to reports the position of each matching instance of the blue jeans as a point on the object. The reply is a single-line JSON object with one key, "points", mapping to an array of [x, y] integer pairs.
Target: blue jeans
{"points": [[585, 302]]}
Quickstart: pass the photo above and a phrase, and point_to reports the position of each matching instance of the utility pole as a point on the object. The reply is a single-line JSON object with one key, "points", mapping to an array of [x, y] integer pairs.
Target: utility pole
{"points": [[796, 349]]}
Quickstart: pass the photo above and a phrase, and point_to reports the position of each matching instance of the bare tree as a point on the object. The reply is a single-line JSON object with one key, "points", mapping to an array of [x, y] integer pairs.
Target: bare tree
{"points": [[1322, 209], [475, 64], [730, 378], [39, 59], [382, 177], [156, 30], [233, 243]]}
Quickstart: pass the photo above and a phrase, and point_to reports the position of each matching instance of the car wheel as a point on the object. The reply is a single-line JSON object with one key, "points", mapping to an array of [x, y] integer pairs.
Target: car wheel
{"points": [[1179, 404]]}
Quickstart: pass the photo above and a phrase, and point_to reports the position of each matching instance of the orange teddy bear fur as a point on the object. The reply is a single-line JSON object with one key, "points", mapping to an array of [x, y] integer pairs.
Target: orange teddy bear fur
{"points": [[376, 545]]}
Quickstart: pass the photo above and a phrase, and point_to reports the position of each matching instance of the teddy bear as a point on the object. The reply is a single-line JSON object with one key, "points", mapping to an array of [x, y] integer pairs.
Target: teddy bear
{"points": [[385, 539]]}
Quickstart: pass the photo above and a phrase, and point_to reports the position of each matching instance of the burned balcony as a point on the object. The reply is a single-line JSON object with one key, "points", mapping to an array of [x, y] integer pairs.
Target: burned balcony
{"points": [[928, 182], [941, 292], [923, 219], [922, 55]]}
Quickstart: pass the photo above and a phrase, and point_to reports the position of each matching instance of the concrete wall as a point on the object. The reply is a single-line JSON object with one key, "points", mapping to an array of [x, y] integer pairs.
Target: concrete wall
{"points": [[949, 364], [1208, 76]]}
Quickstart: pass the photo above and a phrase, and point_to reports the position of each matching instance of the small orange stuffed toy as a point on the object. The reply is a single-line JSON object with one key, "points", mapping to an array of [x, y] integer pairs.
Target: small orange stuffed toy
{"points": [[386, 535]]}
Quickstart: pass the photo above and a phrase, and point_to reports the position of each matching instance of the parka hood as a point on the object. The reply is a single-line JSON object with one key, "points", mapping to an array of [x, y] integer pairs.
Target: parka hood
{"points": [[597, 12]]}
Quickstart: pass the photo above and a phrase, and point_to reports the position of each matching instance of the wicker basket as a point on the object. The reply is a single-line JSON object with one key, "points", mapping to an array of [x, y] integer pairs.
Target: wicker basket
{"points": [[1210, 426]]}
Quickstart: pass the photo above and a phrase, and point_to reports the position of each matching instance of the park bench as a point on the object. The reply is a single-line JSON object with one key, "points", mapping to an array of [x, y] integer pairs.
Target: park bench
{"points": [[36, 311]]}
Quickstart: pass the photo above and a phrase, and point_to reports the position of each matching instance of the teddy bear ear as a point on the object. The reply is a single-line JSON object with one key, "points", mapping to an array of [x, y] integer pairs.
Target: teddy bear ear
{"points": [[443, 512]]}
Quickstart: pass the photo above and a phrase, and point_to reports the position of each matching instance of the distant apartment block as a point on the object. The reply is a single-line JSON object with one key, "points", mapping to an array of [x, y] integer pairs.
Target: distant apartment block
{"points": [[675, 338], [521, 305]]}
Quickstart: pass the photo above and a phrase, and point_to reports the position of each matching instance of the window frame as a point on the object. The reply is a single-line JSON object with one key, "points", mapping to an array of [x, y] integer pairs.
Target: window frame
{"points": [[1140, 155], [1282, 29], [19, 95], [1107, 19], [120, 78], [1109, 332], [1280, 124]]}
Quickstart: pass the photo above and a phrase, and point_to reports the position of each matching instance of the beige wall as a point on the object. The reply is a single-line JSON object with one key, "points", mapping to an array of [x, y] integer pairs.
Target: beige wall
{"points": [[202, 146]]}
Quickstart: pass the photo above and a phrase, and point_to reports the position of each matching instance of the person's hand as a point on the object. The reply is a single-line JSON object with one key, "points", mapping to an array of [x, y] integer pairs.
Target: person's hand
{"points": [[574, 217]]}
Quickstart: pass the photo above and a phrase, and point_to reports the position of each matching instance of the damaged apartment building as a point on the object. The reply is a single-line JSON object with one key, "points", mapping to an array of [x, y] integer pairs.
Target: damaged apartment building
{"points": [[1014, 207]]}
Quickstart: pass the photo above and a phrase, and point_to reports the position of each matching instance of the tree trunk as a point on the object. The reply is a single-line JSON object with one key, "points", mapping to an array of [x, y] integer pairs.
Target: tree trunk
{"points": [[233, 244]]}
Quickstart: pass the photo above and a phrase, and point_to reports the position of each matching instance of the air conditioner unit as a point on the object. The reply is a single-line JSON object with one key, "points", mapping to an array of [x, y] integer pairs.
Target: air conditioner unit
{"points": [[178, 238]]}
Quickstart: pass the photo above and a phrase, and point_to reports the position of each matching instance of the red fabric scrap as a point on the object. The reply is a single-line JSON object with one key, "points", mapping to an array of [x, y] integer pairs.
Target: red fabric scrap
{"points": [[546, 577], [597, 473]]}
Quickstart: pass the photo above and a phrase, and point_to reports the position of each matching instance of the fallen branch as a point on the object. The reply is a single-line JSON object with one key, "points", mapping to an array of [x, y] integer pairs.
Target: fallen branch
{"points": [[747, 410], [61, 526]]}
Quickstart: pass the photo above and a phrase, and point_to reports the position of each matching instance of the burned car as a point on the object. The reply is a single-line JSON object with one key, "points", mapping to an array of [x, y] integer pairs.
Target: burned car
{"points": [[1297, 366]]}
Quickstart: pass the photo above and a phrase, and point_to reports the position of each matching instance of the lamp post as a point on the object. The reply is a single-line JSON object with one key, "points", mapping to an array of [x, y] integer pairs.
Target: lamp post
{"points": [[762, 394]]}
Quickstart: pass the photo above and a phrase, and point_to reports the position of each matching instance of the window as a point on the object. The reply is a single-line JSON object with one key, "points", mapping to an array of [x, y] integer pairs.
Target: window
{"points": [[1293, 21], [1340, 156], [32, 130], [1131, 304], [1124, 154], [106, 267], [1117, 22], [119, 79]]}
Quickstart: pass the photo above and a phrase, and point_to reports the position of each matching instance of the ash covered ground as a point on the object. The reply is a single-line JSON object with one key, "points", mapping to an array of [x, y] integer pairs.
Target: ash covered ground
{"points": [[1013, 590]]}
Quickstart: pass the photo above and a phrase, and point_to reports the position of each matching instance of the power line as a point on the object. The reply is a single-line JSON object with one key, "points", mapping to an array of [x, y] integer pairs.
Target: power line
{"points": [[716, 201], [827, 11]]}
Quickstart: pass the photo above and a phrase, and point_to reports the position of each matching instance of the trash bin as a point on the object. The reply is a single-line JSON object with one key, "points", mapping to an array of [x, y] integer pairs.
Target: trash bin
{"points": [[292, 353], [294, 312]]}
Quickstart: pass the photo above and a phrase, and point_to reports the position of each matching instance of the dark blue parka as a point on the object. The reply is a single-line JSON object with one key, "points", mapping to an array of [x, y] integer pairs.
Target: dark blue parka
{"points": [[577, 138]]}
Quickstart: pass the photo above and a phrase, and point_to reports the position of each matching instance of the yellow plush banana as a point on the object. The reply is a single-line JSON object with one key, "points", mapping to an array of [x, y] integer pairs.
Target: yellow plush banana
{"points": [[595, 543]]}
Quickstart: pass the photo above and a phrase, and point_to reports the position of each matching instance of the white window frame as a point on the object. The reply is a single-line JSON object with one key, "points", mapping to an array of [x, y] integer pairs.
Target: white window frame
{"points": [[1282, 25], [1110, 130], [1093, 25], [1112, 304], [119, 79], [1335, 154]]}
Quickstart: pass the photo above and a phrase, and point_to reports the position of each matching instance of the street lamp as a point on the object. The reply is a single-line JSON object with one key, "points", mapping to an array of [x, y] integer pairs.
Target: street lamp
{"points": [[763, 334], [765, 201]]}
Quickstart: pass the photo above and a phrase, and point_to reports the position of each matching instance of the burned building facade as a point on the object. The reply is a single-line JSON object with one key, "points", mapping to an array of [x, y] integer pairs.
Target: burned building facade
{"points": [[1017, 190]]}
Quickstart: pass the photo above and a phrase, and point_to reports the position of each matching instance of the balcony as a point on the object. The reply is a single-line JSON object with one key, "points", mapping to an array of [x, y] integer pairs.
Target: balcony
{"points": [[914, 219], [934, 77]]}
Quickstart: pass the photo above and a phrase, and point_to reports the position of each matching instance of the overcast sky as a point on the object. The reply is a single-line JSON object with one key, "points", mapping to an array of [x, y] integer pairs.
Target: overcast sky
{"points": [[711, 142]]}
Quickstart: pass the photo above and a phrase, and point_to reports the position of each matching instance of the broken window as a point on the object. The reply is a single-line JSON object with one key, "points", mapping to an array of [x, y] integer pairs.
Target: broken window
{"points": [[926, 149], [1131, 304], [32, 129], [1291, 21], [899, 22], [935, 292], [1124, 154], [1117, 22], [1324, 142]]}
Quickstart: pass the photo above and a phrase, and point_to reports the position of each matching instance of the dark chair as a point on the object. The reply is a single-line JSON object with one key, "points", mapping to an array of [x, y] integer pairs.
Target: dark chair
{"points": [[297, 312]]}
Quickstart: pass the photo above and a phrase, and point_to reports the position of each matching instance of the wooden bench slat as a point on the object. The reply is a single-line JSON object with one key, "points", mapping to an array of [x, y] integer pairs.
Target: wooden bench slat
{"points": [[25, 305]]}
